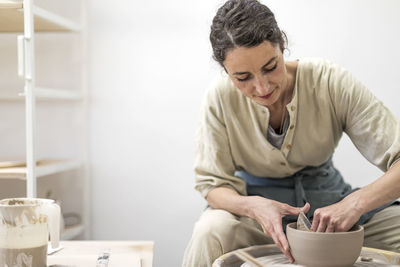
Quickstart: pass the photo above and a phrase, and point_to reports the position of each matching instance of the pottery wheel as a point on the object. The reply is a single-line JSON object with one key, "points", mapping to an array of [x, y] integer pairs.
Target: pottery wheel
{"points": [[281, 260], [270, 255]]}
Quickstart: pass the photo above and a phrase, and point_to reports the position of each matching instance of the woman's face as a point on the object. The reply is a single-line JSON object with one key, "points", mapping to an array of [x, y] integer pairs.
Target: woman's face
{"points": [[259, 72]]}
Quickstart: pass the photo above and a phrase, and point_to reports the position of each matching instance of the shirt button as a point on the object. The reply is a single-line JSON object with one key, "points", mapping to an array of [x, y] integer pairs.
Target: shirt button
{"points": [[291, 127], [283, 163], [288, 146], [293, 108]]}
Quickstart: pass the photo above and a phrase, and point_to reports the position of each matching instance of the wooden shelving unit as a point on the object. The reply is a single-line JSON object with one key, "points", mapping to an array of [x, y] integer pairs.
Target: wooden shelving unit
{"points": [[26, 19]]}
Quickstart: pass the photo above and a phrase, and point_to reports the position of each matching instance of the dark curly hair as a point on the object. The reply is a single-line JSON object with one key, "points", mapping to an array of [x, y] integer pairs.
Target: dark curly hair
{"points": [[245, 23]]}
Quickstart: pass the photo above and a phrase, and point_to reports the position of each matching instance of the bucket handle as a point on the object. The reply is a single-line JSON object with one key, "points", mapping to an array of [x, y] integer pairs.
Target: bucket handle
{"points": [[53, 212]]}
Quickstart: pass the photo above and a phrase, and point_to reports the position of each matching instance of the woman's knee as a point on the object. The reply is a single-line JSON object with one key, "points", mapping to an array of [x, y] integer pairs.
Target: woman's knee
{"points": [[215, 224], [383, 228]]}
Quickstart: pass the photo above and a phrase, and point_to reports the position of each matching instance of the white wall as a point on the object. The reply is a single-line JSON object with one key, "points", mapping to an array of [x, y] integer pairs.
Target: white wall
{"points": [[149, 66], [150, 63]]}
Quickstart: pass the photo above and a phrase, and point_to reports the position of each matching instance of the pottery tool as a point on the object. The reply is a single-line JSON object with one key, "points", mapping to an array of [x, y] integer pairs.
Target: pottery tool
{"points": [[51, 250], [243, 255], [102, 259], [303, 223]]}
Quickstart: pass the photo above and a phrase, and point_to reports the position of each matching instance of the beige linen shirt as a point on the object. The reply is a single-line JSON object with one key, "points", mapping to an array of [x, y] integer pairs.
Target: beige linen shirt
{"points": [[327, 101]]}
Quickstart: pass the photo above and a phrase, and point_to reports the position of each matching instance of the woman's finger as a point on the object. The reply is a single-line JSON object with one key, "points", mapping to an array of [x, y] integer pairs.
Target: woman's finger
{"points": [[282, 248], [276, 241], [281, 239], [330, 228], [284, 243], [290, 210], [306, 207], [322, 224], [315, 223]]}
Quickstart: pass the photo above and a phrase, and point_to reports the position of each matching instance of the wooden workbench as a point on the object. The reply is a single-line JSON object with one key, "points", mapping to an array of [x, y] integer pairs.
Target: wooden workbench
{"points": [[85, 253]]}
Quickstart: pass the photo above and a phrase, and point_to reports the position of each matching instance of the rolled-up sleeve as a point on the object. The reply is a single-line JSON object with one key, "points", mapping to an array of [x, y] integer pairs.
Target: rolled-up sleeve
{"points": [[214, 166], [371, 126]]}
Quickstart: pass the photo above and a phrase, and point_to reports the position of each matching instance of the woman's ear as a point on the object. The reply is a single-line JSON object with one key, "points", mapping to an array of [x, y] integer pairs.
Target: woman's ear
{"points": [[283, 42]]}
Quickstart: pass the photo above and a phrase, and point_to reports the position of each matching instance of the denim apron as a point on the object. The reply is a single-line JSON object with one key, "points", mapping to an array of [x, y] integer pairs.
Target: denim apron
{"points": [[320, 186]]}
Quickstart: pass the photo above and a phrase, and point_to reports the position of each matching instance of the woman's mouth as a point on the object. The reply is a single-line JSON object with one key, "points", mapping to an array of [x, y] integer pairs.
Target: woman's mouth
{"points": [[266, 96]]}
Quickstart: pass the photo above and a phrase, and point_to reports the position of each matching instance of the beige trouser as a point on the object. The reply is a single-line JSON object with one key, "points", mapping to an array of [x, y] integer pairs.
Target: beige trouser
{"points": [[218, 232]]}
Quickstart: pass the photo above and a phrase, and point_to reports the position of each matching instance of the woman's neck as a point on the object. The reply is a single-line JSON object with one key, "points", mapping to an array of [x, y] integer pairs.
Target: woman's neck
{"points": [[291, 70], [287, 93]]}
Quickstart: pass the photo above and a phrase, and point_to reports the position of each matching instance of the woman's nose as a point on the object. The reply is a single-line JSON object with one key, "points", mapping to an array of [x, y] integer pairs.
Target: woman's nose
{"points": [[261, 86]]}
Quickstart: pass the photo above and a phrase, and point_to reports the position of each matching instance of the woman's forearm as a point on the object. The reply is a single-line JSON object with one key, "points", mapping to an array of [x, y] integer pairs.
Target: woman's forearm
{"points": [[383, 190], [229, 200]]}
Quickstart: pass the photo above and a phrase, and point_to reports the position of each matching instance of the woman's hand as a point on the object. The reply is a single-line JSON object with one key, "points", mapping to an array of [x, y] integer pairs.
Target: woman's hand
{"points": [[339, 217], [269, 213]]}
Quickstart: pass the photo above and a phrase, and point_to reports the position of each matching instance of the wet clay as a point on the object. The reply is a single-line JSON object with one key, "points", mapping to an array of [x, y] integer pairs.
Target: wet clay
{"points": [[315, 249]]}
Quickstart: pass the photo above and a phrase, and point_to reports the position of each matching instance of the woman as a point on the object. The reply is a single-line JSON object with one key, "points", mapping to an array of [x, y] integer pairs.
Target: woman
{"points": [[265, 141]]}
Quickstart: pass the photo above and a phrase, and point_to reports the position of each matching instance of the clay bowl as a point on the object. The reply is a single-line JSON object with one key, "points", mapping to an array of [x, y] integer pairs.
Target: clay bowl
{"points": [[313, 249]]}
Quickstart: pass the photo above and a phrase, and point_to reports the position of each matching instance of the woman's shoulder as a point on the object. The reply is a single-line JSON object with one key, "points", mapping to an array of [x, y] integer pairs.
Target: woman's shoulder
{"points": [[316, 65], [222, 84], [319, 66], [319, 71], [222, 88]]}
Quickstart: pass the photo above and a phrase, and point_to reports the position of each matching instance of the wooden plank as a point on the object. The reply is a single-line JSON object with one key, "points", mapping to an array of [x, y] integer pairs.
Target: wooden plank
{"points": [[389, 256], [10, 4], [122, 253], [12, 19], [45, 94], [44, 167]]}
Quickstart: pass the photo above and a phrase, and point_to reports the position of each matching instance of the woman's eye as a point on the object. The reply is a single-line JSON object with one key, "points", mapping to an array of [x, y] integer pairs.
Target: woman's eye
{"points": [[271, 69], [243, 79]]}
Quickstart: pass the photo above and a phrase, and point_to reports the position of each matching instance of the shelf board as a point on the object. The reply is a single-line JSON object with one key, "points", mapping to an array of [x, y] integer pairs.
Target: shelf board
{"points": [[12, 19], [44, 167], [10, 97], [45, 94], [50, 93], [72, 232]]}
